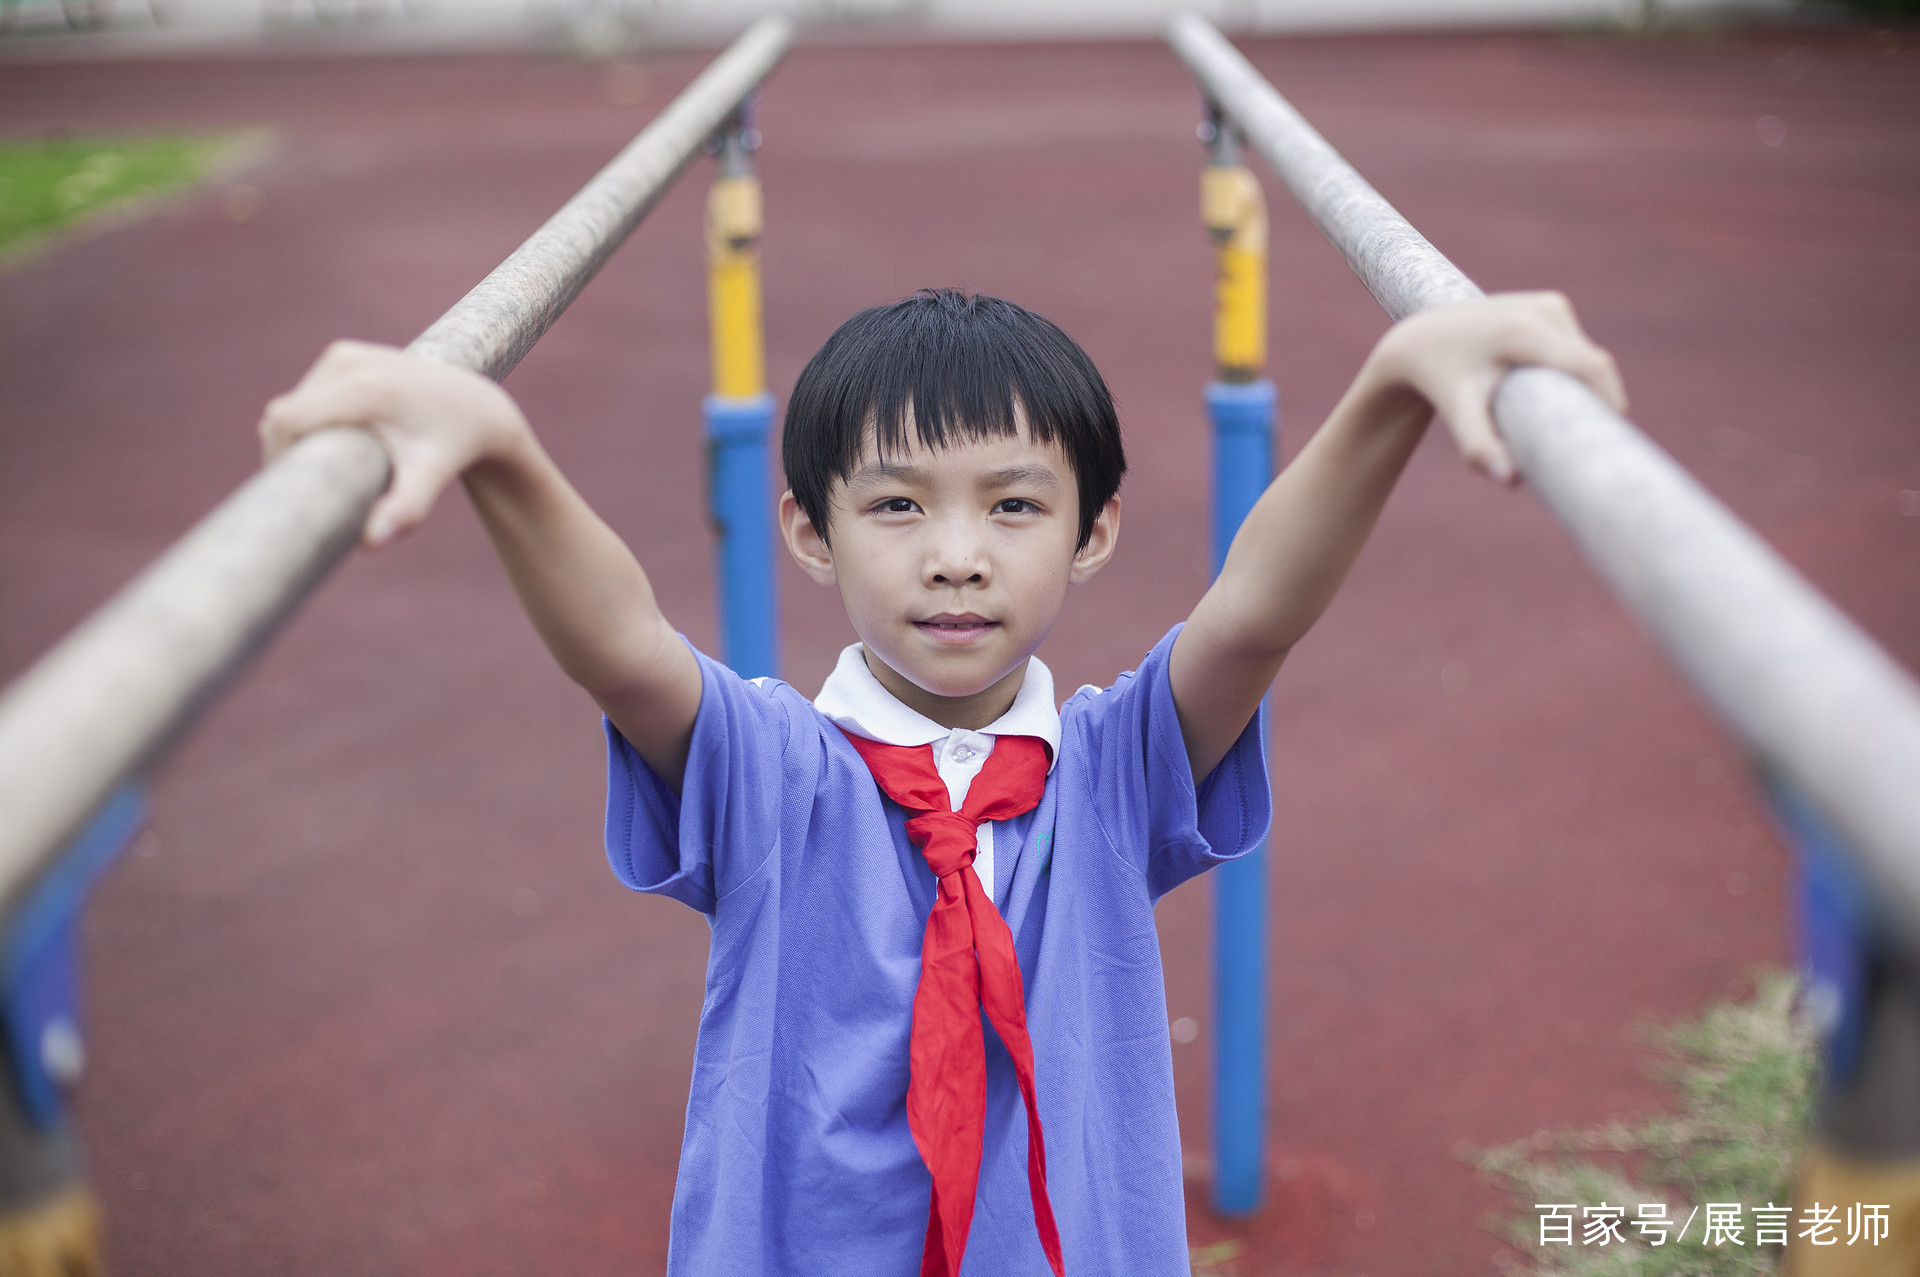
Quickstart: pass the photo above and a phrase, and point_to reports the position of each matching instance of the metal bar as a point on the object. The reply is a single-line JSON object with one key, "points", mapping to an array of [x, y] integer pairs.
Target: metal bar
{"points": [[107, 701], [1801, 686], [498, 322]]}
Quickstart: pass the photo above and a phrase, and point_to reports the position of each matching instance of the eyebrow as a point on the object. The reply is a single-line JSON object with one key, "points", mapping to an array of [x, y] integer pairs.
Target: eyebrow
{"points": [[1017, 476], [888, 472], [877, 472]]}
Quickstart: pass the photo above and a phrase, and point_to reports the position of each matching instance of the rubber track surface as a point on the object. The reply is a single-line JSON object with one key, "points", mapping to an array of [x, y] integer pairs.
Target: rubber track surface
{"points": [[367, 1000]]}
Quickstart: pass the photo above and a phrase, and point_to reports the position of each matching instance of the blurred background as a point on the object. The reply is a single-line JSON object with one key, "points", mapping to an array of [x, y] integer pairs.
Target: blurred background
{"points": [[364, 997]]}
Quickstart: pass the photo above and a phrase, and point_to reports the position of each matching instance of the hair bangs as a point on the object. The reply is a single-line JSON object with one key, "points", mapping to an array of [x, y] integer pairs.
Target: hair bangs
{"points": [[956, 389], [953, 367]]}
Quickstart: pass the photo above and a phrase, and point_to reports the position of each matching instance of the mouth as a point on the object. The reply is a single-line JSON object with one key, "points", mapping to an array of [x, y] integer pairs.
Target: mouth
{"points": [[956, 627]]}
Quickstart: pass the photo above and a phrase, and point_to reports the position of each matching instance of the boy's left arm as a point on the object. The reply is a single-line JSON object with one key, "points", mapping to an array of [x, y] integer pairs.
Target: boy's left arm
{"points": [[1302, 536]]}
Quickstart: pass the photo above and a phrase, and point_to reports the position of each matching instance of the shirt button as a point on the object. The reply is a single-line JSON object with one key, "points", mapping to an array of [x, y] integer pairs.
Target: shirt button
{"points": [[964, 754]]}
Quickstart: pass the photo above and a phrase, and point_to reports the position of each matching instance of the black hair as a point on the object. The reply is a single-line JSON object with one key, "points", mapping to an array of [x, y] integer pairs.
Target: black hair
{"points": [[960, 362]]}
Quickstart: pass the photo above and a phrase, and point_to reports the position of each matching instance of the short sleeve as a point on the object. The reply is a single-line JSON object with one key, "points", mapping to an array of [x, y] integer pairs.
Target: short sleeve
{"points": [[698, 845], [1143, 790]]}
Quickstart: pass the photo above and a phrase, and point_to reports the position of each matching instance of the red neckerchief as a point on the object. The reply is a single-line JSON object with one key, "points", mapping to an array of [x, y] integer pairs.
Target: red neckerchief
{"points": [[967, 964]]}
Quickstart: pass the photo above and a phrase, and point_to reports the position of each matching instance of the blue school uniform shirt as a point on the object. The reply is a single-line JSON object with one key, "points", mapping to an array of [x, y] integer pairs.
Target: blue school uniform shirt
{"points": [[797, 1157]]}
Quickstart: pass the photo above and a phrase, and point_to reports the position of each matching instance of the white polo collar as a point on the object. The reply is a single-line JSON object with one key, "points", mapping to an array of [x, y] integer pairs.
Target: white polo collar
{"points": [[853, 699]]}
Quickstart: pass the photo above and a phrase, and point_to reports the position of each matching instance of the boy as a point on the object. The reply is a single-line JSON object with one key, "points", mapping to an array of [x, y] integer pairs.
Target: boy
{"points": [[954, 462]]}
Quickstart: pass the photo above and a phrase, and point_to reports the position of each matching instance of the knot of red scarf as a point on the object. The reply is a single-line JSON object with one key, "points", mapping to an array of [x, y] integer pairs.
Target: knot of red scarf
{"points": [[967, 964]]}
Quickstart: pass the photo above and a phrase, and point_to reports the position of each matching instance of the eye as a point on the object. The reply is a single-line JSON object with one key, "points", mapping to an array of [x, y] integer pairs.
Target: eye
{"points": [[1016, 505], [895, 505]]}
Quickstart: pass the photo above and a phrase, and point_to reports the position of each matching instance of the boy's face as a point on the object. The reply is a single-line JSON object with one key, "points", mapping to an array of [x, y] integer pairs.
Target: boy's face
{"points": [[953, 565]]}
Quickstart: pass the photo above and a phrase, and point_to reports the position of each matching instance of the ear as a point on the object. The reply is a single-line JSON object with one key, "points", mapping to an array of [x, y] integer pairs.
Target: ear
{"points": [[804, 542], [1093, 556]]}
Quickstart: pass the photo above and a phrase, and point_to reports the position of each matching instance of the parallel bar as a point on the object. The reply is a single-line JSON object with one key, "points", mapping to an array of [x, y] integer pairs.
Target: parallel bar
{"points": [[498, 322], [1792, 677], [107, 701]]}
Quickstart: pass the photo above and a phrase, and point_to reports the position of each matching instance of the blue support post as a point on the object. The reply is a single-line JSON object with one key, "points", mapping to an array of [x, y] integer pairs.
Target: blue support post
{"points": [[737, 431], [1243, 415], [1833, 926], [39, 958], [49, 1221]]}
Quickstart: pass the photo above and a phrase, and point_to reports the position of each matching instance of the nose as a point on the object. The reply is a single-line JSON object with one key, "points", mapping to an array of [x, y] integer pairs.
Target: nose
{"points": [[957, 555]]}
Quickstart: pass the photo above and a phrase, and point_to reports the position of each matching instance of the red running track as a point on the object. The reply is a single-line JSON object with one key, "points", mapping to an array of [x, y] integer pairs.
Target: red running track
{"points": [[367, 999]]}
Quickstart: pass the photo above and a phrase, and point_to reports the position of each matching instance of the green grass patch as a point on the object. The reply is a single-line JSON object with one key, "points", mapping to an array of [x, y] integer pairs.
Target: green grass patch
{"points": [[49, 184], [1744, 1076]]}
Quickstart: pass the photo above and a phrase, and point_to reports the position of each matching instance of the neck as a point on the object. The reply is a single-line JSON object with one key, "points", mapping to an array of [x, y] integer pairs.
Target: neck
{"points": [[971, 712]]}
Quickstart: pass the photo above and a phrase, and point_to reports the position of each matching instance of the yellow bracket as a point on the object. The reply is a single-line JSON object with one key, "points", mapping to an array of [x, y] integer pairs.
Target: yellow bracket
{"points": [[59, 1237], [734, 220], [1234, 211]]}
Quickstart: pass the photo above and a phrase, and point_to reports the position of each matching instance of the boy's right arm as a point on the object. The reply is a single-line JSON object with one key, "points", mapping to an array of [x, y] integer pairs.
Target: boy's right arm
{"points": [[584, 591]]}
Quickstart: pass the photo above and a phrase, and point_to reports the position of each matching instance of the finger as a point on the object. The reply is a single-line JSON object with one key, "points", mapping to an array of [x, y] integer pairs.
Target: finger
{"points": [[399, 511], [1550, 335], [392, 517], [1469, 417], [326, 393], [1558, 304], [1607, 381], [298, 412], [419, 475], [353, 400], [1581, 355], [343, 357], [272, 430], [1592, 364], [286, 417]]}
